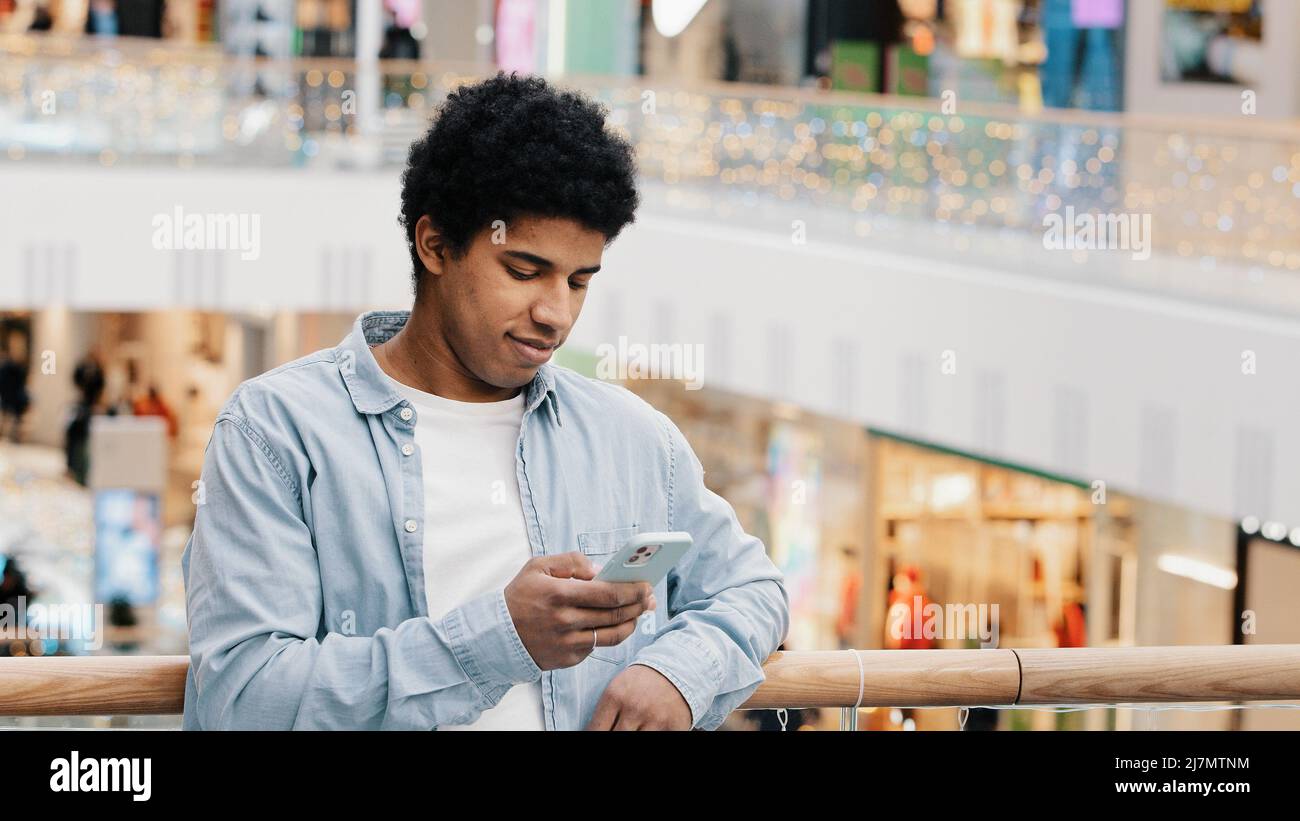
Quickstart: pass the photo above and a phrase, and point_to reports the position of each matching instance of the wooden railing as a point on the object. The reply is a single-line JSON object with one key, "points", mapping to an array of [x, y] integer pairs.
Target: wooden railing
{"points": [[125, 685], [1088, 675]]}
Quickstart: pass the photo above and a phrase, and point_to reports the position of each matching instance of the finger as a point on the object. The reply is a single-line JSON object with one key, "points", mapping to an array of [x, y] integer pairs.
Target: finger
{"points": [[582, 643], [605, 715], [611, 636], [605, 594], [587, 618], [571, 565], [627, 720]]}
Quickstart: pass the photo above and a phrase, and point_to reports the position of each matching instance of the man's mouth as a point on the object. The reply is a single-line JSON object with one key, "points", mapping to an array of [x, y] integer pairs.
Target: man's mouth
{"points": [[535, 351]]}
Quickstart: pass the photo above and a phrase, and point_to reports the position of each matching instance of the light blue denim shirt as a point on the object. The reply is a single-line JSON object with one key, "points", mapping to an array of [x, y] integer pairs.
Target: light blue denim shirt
{"points": [[304, 579]]}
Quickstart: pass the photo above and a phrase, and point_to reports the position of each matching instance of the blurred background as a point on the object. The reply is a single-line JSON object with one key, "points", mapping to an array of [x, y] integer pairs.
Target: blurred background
{"points": [[925, 374]]}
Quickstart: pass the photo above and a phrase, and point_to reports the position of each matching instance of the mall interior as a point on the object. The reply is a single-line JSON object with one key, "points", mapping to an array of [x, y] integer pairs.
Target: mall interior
{"points": [[912, 387]]}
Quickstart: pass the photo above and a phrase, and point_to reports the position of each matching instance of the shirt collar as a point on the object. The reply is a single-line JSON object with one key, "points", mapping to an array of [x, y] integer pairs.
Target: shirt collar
{"points": [[371, 390]]}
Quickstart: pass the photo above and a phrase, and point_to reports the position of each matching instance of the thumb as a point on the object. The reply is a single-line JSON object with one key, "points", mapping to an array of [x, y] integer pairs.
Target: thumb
{"points": [[571, 565]]}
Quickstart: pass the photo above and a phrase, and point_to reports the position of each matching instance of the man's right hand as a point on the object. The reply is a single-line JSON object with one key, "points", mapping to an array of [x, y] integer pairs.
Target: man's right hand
{"points": [[556, 604]]}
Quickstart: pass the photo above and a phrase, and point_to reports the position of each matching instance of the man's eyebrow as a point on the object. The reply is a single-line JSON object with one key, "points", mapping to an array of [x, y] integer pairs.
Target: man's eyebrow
{"points": [[543, 262]]}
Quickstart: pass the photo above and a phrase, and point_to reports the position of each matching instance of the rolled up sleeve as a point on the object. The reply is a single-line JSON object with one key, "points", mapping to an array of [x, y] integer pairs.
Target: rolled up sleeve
{"points": [[483, 638], [728, 606]]}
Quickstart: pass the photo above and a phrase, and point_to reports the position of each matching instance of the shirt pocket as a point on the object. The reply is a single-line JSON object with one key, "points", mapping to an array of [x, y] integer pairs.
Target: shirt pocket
{"points": [[599, 546]]}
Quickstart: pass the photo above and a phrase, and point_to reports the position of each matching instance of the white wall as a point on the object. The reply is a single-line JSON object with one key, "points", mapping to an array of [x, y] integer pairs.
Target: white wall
{"points": [[1139, 391], [83, 237]]}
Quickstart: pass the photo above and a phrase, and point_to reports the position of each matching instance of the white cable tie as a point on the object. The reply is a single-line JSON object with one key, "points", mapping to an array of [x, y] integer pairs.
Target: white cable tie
{"points": [[862, 678]]}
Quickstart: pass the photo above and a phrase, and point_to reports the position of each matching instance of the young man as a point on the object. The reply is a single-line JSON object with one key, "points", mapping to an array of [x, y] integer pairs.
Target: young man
{"points": [[403, 531]]}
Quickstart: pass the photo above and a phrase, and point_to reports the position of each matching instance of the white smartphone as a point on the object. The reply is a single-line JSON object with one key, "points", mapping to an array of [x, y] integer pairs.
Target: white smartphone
{"points": [[647, 557]]}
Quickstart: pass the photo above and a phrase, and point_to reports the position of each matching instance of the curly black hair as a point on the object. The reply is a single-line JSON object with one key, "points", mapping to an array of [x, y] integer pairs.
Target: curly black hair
{"points": [[513, 146]]}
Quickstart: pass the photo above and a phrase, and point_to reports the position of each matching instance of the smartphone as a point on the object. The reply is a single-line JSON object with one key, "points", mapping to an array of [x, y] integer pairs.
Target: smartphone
{"points": [[647, 557]]}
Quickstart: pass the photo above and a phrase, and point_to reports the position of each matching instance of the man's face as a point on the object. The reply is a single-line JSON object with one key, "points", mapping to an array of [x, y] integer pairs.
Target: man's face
{"points": [[511, 299]]}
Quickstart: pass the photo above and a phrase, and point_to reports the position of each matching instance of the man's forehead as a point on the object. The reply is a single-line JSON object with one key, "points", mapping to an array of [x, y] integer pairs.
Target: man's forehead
{"points": [[560, 242], [540, 228]]}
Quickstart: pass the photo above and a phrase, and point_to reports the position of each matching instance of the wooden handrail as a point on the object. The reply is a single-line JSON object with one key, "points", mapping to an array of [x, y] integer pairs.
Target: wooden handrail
{"points": [[1085, 675], [92, 685], [155, 685], [890, 678]]}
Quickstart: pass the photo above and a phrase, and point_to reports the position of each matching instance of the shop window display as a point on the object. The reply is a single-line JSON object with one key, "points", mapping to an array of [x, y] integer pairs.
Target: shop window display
{"points": [[985, 533], [955, 535]]}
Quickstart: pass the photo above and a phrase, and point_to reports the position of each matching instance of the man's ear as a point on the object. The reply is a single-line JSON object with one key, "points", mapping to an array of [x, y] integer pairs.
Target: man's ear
{"points": [[430, 246]]}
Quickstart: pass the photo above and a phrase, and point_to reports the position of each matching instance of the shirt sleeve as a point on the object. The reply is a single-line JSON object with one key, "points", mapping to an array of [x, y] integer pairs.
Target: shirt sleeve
{"points": [[728, 606], [255, 612]]}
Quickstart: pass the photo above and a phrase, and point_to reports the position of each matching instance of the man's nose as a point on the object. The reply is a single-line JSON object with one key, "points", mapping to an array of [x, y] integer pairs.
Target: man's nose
{"points": [[552, 308]]}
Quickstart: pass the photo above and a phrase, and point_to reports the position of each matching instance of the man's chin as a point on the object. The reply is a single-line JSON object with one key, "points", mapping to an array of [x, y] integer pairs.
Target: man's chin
{"points": [[518, 376]]}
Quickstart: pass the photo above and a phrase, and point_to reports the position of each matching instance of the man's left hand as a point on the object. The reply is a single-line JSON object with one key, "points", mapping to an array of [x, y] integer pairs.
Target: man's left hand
{"points": [[641, 698]]}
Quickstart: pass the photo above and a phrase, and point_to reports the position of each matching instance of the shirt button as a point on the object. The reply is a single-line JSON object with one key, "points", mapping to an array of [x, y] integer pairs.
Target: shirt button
{"points": [[411, 525], [406, 414], [408, 449]]}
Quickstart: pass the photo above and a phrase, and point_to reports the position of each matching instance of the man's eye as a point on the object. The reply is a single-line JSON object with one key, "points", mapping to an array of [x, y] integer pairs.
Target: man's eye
{"points": [[577, 286], [520, 274]]}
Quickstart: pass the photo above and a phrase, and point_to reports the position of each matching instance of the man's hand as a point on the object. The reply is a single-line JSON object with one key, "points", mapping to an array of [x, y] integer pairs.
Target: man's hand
{"points": [[558, 609], [640, 698]]}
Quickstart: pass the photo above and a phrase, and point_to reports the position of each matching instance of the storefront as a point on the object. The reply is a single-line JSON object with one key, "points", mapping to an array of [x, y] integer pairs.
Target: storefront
{"points": [[892, 543], [179, 364], [113, 538]]}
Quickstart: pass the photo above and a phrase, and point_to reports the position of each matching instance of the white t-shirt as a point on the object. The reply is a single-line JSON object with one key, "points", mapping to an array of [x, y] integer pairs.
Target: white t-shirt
{"points": [[475, 539]]}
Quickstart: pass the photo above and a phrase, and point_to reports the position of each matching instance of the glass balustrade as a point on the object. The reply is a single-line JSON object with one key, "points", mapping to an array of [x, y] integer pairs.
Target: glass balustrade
{"points": [[1217, 202]]}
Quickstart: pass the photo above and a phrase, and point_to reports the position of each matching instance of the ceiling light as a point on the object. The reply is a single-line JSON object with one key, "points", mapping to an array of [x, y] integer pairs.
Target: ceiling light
{"points": [[671, 17]]}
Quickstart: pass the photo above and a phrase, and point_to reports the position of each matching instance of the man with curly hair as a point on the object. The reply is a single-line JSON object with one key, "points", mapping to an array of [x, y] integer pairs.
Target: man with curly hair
{"points": [[403, 532]]}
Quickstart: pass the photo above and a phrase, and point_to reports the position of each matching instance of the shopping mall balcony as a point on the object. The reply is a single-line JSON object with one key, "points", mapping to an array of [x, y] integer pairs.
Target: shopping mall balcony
{"points": [[870, 258], [881, 261]]}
